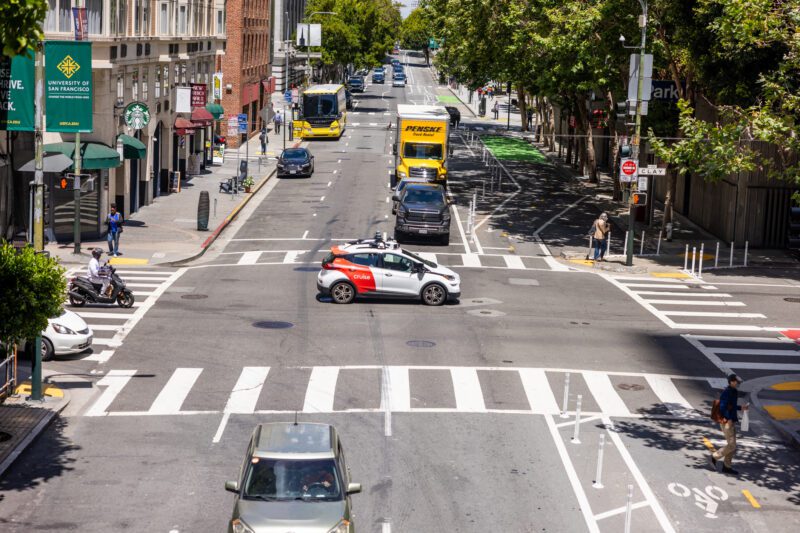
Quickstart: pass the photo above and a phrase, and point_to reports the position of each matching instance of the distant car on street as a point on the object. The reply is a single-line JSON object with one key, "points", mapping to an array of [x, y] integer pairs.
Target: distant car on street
{"points": [[402, 185], [399, 79], [356, 84], [294, 478], [378, 76], [66, 334], [422, 210], [295, 162]]}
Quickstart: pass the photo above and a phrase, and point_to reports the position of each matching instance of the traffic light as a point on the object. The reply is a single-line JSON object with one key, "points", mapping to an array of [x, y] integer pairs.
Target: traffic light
{"points": [[639, 198], [508, 88], [625, 150], [66, 183]]}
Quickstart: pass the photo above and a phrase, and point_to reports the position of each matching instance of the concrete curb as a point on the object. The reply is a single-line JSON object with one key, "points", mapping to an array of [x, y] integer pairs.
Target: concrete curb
{"points": [[789, 435], [35, 432]]}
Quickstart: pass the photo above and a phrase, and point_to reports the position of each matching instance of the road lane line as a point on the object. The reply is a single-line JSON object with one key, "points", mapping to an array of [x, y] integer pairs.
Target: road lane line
{"points": [[548, 257], [714, 315], [249, 258], [100, 357], [114, 382], [641, 301], [514, 262], [172, 396], [764, 366], [557, 215], [751, 499], [245, 393], [471, 260], [620, 510], [329, 183], [654, 286], [427, 256], [305, 234], [537, 389], [322, 199], [708, 303], [460, 228], [467, 389], [143, 284], [685, 294], [111, 315], [720, 338], [321, 389], [607, 399], [763, 353], [668, 394], [291, 256]]}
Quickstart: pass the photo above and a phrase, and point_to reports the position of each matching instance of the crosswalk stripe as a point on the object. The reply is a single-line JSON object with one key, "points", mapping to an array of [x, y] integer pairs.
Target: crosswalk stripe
{"points": [[100, 357], [604, 394], [104, 327], [399, 389], [725, 338], [427, 256], [685, 294], [467, 389], [471, 260], [291, 256], [143, 284], [514, 262], [321, 389], [172, 396], [106, 342], [668, 394], [537, 389], [126, 279], [747, 351], [114, 316], [709, 303], [653, 286], [249, 258], [762, 366], [248, 387], [114, 382], [715, 315]]}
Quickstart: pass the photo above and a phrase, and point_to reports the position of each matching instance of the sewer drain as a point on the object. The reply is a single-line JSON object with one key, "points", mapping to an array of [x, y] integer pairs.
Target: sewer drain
{"points": [[194, 296], [792, 300], [630, 386], [272, 324], [420, 344], [306, 269]]}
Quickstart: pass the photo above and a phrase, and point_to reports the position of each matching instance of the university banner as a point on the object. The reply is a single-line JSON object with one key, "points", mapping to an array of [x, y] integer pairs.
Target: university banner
{"points": [[16, 93], [68, 85]]}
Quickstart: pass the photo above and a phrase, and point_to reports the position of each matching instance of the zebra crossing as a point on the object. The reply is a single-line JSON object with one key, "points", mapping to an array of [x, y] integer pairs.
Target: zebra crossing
{"points": [[750, 357], [110, 323], [403, 389]]}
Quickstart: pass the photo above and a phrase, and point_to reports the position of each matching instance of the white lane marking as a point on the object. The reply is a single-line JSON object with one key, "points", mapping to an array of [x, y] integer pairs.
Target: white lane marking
{"points": [[537, 389], [514, 262], [548, 257], [100, 357], [460, 228], [142, 284], [684, 294], [329, 183], [221, 428], [427, 256], [736, 338], [314, 215], [305, 234], [710, 355], [387, 199], [764, 366], [386, 527], [142, 278], [398, 396], [322, 199], [113, 316], [104, 327], [641, 301], [763, 353], [172, 396], [114, 382], [249, 258], [604, 394], [652, 286], [620, 510], [321, 389], [245, 393], [107, 342], [705, 303], [291, 256], [335, 171], [572, 475], [467, 389], [559, 214], [666, 391], [717, 315], [470, 260], [338, 161]]}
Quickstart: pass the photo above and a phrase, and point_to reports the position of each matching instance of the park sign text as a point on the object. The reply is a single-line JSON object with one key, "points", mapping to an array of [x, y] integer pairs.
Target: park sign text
{"points": [[68, 86], [16, 92]]}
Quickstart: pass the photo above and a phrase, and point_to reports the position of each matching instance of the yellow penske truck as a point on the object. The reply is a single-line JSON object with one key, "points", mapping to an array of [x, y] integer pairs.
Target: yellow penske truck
{"points": [[421, 144]]}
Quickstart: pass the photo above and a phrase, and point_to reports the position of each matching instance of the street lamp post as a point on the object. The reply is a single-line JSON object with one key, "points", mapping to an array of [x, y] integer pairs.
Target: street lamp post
{"points": [[308, 36]]}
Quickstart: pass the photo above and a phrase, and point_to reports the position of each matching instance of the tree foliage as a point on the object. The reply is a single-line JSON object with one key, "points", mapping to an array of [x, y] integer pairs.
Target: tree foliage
{"points": [[21, 25], [415, 30], [32, 289]]}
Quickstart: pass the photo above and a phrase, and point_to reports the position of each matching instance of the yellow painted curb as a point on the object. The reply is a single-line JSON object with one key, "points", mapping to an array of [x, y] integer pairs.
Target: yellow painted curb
{"points": [[787, 385], [706, 257], [783, 412], [751, 499], [676, 275], [587, 262], [128, 261], [48, 390], [709, 444]]}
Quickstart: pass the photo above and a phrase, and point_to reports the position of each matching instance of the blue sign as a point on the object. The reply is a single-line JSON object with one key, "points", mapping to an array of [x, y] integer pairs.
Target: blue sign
{"points": [[242, 123], [665, 90], [288, 96]]}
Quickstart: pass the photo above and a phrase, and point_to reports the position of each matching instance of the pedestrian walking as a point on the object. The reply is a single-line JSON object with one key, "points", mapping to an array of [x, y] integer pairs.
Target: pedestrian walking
{"points": [[530, 119], [599, 232], [725, 413], [495, 110], [263, 139], [278, 119], [114, 221]]}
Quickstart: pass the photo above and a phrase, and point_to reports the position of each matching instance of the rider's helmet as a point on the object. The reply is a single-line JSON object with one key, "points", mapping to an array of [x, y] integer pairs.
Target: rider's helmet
{"points": [[97, 252]]}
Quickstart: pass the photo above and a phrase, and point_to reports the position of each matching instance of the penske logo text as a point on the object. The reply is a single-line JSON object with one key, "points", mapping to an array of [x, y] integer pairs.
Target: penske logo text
{"points": [[424, 129]]}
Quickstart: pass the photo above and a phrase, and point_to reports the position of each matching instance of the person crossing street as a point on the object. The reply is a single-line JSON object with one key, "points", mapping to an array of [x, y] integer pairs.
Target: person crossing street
{"points": [[727, 417], [278, 120], [114, 221]]}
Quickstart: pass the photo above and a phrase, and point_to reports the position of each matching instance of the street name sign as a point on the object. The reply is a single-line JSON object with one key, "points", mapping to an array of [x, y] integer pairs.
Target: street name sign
{"points": [[652, 171]]}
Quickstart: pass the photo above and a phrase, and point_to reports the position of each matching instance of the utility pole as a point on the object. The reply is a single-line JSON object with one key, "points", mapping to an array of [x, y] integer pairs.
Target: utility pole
{"points": [[636, 141], [76, 192], [38, 205]]}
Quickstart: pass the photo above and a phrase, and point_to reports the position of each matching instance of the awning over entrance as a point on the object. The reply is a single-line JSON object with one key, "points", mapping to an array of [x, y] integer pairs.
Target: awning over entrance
{"points": [[215, 110], [132, 148], [202, 116], [184, 126], [94, 156]]}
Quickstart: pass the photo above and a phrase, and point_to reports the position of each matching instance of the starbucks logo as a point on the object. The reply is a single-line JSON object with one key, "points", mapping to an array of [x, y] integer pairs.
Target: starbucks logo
{"points": [[137, 115]]}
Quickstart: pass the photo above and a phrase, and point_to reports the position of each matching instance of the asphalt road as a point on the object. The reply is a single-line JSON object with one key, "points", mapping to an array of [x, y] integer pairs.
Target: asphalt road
{"points": [[469, 437]]}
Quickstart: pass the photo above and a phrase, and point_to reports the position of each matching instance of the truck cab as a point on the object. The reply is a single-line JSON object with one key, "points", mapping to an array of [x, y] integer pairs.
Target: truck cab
{"points": [[422, 148]]}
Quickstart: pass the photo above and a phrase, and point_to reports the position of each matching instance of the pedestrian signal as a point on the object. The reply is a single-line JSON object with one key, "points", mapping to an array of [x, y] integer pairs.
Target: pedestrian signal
{"points": [[65, 183], [639, 198]]}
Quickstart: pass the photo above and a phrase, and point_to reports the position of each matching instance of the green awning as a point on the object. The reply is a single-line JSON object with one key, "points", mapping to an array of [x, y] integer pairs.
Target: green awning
{"points": [[94, 155], [215, 109], [132, 148]]}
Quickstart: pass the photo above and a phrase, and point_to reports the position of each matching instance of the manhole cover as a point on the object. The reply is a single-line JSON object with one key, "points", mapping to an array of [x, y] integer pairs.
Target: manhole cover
{"points": [[421, 344], [272, 324], [630, 386], [486, 313], [194, 296], [792, 300], [306, 269], [5, 436]]}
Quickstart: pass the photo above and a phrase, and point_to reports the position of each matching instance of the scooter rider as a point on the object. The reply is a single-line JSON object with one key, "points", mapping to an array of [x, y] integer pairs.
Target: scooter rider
{"points": [[96, 274]]}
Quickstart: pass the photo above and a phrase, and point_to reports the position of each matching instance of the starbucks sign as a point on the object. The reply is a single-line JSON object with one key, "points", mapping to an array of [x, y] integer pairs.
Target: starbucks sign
{"points": [[136, 115]]}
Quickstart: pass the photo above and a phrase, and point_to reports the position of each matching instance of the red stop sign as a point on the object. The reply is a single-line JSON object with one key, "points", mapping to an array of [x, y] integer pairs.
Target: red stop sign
{"points": [[629, 168]]}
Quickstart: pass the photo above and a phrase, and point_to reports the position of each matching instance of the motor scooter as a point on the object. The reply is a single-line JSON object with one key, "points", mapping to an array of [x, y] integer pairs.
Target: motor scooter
{"points": [[83, 291]]}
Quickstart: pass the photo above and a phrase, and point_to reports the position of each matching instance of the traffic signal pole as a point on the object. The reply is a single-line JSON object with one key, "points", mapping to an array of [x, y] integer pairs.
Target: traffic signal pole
{"points": [[636, 136], [76, 193]]}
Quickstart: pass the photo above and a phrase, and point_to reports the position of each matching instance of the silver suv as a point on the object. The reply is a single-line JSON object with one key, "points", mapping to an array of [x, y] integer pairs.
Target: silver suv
{"points": [[294, 475]]}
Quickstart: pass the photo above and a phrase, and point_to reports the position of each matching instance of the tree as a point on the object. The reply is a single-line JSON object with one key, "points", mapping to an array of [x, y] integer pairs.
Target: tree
{"points": [[21, 25], [32, 289], [415, 30]]}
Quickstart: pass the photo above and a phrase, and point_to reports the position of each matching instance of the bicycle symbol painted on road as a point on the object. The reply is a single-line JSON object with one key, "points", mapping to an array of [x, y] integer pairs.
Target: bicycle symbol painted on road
{"points": [[704, 500]]}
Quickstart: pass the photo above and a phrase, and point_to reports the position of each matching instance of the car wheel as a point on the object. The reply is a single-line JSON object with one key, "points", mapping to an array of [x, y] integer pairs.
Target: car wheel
{"points": [[343, 293], [445, 240], [434, 294], [48, 352]]}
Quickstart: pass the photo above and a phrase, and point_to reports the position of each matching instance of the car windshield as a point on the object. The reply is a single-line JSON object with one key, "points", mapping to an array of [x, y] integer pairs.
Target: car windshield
{"points": [[279, 479], [424, 196], [295, 154], [320, 105], [355, 81], [422, 150], [421, 260]]}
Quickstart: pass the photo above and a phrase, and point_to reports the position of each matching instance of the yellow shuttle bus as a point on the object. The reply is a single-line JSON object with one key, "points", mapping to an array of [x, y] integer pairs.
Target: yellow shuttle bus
{"points": [[323, 112]]}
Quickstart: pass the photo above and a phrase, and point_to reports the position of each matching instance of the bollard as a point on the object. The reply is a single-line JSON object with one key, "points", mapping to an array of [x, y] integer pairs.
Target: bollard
{"points": [[628, 509], [686, 258], [215, 208], [716, 256], [591, 247], [700, 262], [641, 246], [598, 478], [658, 246], [483, 189], [694, 257], [608, 243], [746, 246], [576, 433], [625, 245], [730, 261], [566, 397]]}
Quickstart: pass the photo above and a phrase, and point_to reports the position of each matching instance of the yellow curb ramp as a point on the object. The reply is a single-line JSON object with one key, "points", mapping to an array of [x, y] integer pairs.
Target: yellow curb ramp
{"points": [[587, 262], [787, 386], [675, 275], [782, 412], [128, 261], [48, 390]]}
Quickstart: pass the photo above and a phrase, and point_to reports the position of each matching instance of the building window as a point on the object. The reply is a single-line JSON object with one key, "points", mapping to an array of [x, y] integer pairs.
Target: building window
{"points": [[183, 73], [164, 19], [121, 7], [120, 88], [157, 83], [64, 15], [137, 17], [50, 20], [165, 77], [145, 95], [135, 84], [182, 20], [94, 16], [146, 16]]}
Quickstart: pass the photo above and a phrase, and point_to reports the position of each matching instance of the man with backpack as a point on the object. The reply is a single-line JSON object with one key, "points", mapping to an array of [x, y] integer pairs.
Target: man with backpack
{"points": [[724, 412]]}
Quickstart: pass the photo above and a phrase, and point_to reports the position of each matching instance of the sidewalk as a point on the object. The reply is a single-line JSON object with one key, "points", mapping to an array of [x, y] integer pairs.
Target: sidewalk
{"points": [[777, 398], [166, 231]]}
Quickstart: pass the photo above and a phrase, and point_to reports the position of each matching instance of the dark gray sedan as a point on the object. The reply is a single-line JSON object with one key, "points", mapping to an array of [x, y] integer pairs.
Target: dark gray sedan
{"points": [[295, 162]]}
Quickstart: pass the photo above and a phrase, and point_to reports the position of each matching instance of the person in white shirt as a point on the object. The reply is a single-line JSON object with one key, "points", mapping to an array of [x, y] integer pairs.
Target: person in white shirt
{"points": [[95, 276]]}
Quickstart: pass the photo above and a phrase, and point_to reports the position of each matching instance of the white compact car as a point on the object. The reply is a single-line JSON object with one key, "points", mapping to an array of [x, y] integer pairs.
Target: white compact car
{"points": [[374, 267], [65, 334]]}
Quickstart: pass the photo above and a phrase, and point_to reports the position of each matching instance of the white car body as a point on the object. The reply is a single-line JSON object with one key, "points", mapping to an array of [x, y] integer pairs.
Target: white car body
{"points": [[68, 333]]}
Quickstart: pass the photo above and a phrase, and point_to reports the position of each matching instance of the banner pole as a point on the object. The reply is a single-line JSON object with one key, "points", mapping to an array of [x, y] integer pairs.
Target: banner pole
{"points": [[38, 177]]}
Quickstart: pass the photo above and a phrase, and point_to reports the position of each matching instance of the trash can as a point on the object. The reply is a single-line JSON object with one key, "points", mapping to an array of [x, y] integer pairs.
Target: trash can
{"points": [[202, 211]]}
